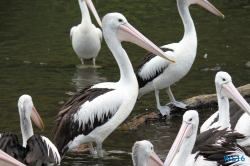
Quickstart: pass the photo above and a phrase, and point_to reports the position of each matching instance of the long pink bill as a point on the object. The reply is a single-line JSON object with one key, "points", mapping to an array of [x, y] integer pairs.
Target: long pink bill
{"points": [[128, 33], [7, 160], [92, 8], [228, 90], [207, 5], [36, 118], [184, 132], [154, 160]]}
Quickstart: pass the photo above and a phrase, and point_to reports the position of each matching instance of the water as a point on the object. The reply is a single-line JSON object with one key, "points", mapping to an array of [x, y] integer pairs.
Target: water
{"points": [[36, 58]]}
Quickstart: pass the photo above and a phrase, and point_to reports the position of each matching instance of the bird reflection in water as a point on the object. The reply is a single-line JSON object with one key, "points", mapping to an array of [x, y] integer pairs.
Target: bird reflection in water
{"points": [[86, 76]]}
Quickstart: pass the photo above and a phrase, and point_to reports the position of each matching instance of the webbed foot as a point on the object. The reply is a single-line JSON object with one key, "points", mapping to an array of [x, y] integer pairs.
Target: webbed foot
{"points": [[177, 104]]}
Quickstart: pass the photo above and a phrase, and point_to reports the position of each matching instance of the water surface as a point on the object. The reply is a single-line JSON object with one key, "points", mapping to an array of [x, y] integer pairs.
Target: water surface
{"points": [[36, 58]]}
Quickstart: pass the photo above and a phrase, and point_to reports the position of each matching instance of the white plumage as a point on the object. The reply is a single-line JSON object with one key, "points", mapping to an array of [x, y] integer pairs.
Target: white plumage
{"points": [[36, 148], [225, 118], [86, 38], [156, 73], [96, 111], [206, 149]]}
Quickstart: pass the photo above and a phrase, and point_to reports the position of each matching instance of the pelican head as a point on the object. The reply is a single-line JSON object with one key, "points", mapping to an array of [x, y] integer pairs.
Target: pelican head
{"points": [[27, 111], [207, 5], [185, 139], [117, 24], [93, 10], [143, 154], [226, 89]]}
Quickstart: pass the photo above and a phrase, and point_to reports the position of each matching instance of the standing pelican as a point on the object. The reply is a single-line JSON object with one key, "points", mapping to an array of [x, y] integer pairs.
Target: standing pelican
{"points": [[239, 121], [36, 148], [143, 154], [208, 149], [86, 38], [155, 73], [95, 111]]}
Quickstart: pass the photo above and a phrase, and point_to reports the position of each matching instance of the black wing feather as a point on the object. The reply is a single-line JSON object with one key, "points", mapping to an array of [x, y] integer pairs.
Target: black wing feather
{"points": [[142, 82], [37, 150], [10, 145], [64, 130]]}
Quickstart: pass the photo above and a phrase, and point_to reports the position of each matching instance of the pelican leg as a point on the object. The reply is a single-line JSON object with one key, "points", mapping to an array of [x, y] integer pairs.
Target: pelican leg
{"points": [[91, 149], [82, 60], [173, 101], [93, 61], [165, 110], [99, 150]]}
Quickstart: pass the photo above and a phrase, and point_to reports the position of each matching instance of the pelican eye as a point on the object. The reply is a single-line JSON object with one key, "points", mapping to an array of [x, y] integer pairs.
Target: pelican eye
{"points": [[120, 20], [190, 119], [224, 79]]}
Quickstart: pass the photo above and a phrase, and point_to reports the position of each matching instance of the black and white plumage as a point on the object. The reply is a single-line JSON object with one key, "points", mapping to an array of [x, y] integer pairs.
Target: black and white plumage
{"points": [[36, 148], [143, 154], [237, 118], [7, 160], [94, 112], [216, 145], [206, 149], [86, 38], [155, 73]]}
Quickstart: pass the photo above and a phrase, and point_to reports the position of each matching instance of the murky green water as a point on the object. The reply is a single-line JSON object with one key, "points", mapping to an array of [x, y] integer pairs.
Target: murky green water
{"points": [[36, 58]]}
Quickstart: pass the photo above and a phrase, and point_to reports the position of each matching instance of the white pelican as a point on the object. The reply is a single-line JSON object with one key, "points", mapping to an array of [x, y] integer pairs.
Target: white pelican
{"points": [[235, 119], [155, 73], [86, 38], [143, 154], [6, 159], [209, 148], [36, 148], [95, 111]]}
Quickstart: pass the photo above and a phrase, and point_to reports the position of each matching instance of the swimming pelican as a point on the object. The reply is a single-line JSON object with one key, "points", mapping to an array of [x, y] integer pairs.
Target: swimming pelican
{"points": [[155, 73], [86, 38], [6, 159], [234, 119], [208, 148], [36, 148], [143, 154], [95, 111]]}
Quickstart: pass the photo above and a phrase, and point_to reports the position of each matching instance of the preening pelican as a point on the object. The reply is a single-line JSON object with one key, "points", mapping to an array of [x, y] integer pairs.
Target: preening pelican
{"points": [[6, 159], [208, 149], [235, 119], [155, 73], [143, 154], [36, 148], [86, 38], [95, 111]]}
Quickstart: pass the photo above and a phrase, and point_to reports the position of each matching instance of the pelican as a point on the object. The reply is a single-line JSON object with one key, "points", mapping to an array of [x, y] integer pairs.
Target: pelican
{"points": [[86, 38], [94, 112], [209, 148], [36, 148], [155, 73], [223, 118], [143, 154], [6, 159]]}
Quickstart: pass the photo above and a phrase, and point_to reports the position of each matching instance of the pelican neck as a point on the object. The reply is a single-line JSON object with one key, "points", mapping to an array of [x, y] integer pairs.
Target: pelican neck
{"points": [[223, 105], [26, 128], [189, 28], [86, 20], [126, 70]]}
